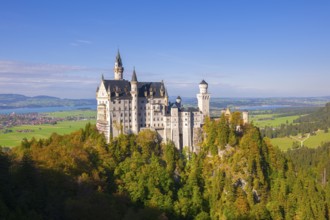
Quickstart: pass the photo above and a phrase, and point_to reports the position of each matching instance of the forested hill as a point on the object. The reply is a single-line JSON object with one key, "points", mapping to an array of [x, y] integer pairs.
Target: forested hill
{"points": [[237, 175], [317, 120], [20, 101], [321, 116]]}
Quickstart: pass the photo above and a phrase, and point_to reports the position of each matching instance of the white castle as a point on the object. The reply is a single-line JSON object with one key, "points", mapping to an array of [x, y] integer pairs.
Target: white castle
{"points": [[130, 106]]}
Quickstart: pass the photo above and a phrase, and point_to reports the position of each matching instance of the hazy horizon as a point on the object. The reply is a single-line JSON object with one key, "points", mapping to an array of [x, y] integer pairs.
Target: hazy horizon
{"points": [[189, 97]]}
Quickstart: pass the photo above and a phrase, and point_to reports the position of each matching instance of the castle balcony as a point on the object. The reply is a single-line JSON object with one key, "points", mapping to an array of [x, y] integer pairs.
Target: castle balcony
{"points": [[102, 122]]}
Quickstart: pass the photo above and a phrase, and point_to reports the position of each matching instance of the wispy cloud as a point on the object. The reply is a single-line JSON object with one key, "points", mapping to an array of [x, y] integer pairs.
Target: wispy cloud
{"points": [[54, 79], [7, 66], [77, 43]]}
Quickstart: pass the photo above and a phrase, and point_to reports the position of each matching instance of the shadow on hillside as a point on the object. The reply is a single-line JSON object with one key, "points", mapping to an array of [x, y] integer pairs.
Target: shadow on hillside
{"points": [[30, 192]]}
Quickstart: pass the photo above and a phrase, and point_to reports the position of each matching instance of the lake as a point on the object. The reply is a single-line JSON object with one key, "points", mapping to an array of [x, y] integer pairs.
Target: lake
{"points": [[263, 107], [93, 107], [46, 109]]}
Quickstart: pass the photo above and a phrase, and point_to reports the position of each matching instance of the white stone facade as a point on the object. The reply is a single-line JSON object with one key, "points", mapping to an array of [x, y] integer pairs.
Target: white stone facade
{"points": [[129, 106]]}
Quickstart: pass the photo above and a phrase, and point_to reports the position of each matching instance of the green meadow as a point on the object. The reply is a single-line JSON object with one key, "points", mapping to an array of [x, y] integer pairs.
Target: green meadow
{"points": [[85, 116], [318, 139], [273, 120], [45, 130], [75, 113], [313, 141], [284, 143]]}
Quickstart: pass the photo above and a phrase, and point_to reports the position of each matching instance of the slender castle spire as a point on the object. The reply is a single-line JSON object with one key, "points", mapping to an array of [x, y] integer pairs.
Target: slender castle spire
{"points": [[119, 69], [118, 59], [135, 109], [134, 78]]}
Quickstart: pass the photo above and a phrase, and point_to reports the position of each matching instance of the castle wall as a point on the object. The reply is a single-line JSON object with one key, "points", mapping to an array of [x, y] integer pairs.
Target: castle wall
{"points": [[175, 127], [126, 109], [186, 128], [116, 116], [103, 122], [245, 117]]}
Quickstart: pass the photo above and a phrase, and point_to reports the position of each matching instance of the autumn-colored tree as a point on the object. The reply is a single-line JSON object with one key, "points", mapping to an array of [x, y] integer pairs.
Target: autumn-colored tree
{"points": [[80, 176], [222, 132]]}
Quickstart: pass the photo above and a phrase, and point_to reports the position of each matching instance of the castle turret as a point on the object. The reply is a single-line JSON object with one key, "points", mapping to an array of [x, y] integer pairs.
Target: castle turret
{"points": [[119, 69], [175, 127], [245, 117], [166, 97], [109, 92], [203, 98], [227, 112], [162, 90], [103, 120], [134, 93], [178, 101]]}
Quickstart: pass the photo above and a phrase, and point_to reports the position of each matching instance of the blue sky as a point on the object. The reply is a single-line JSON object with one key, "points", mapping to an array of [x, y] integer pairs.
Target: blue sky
{"points": [[242, 48]]}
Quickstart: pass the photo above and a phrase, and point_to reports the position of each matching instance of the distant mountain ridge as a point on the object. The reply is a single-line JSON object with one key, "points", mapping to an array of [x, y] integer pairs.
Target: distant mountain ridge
{"points": [[22, 101], [8, 101]]}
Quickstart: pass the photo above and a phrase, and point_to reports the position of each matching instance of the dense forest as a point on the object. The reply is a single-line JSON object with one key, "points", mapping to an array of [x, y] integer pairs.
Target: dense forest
{"points": [[310, 123], [236, 175]]}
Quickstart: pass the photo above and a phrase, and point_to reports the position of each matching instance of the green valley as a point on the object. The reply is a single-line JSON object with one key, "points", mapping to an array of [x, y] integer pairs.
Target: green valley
{"points": [[236, 175], [68, 121], [288, 128]]}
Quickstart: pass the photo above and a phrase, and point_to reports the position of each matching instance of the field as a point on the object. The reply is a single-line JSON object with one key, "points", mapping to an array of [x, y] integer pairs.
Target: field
{"points": [[318, 139], [84, 116], [44, 131], [284, 143], [314, 141], [75, 113], [273, 120]]}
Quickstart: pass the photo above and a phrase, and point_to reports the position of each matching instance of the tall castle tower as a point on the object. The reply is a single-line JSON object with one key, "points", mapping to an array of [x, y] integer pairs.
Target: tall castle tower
{"points": [[119, 69], [203, 98], [135, 109], [245, 117]]}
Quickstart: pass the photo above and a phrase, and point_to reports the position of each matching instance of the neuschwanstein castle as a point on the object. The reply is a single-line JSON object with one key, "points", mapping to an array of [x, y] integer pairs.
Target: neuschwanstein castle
{"points": [[125, 106]]}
